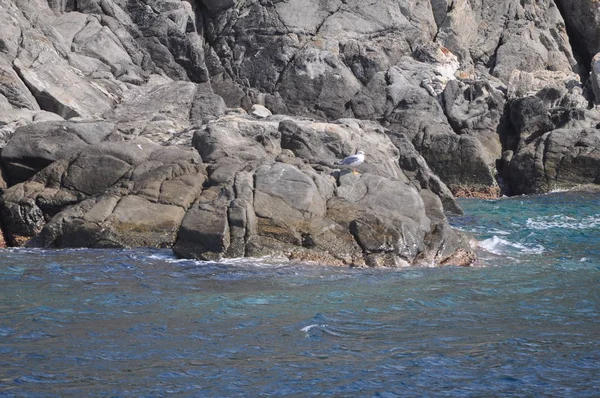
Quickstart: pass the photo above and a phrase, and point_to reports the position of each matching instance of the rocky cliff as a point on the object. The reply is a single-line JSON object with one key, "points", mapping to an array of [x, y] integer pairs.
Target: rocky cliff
{"points": [[213, 126]]}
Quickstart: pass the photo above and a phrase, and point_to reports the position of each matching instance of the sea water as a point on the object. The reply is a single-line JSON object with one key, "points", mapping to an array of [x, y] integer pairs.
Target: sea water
{"points": [[139, 323]]}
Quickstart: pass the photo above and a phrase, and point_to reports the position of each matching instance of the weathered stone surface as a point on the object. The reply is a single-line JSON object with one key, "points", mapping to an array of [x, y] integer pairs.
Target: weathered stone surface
{"points": [[206, 105], [415, 167], [12, 119], [595, 77], [204, 232], [36, 146], [117, 194], [475, 108], [454, 96], [170, 99], [165, 30], [236, 143], [14, 90], [286, 207], [56, 86], [559, 159], [582, 18], [324, 143]]}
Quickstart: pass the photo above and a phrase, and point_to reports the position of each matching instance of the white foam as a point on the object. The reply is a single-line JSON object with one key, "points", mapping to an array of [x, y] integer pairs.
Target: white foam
{"points": [[169, 257], [500, 246], [563, 222], [306, 329]]}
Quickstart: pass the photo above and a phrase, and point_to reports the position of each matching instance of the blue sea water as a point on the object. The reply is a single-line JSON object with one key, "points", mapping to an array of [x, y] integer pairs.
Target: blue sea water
{"points": [[139, 323]]}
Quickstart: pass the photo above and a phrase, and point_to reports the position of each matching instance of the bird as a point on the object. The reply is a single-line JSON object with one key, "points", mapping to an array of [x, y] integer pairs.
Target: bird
{"points": [[352, 160]]}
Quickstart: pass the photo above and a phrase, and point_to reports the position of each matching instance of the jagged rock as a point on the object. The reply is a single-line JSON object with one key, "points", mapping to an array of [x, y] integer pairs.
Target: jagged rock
{"points": [[164, 29], [14, 90], [505, 35], [417, 170], [559, 159], [36, 146], [475, 108], [109, 194], [467, 90], [282, 207], [310, 73], [59, 89], [12, 119], [581, 17], [522, 84], [459, 160], [206, 105], [595, 77], [99, 42]]}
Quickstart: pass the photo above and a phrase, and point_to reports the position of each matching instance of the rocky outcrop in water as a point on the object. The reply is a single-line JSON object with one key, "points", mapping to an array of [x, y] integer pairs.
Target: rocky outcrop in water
{"points": [[212, 126]]}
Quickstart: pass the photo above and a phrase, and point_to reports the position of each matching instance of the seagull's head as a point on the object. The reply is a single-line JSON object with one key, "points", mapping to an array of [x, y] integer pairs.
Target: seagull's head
{"points": [[360, 153]]}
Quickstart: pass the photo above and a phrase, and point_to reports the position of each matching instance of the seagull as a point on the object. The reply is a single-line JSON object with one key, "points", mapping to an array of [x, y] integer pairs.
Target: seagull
{"points": [[352, 160]]}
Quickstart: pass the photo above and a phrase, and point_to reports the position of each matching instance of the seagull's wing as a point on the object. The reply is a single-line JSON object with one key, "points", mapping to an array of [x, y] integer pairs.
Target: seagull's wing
{"points": [[350, 159]]}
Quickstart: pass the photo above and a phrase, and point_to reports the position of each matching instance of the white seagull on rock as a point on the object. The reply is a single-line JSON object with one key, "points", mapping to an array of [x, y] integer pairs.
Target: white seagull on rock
{"points": [[352, 160]]}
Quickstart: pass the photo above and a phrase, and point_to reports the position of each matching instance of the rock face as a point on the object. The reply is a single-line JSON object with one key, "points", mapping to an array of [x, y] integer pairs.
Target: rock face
{"points": [[213, 125], [106, 194], [273, 190], [559, 159]]}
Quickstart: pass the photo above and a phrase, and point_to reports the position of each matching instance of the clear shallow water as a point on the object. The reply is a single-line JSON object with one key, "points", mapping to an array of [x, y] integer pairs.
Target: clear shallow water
{"points": [[140, 323]]}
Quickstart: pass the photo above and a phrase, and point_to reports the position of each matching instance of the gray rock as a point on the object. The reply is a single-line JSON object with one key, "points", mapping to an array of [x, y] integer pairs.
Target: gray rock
{"points": [[324, 143], [99, 42], [461, 161], [11, 119], [265, 208], [417, 170], [204, 232], [260, 111], [581, 17], [206, 105], [59, 89], [164, 110], [167, 32], [235, 143], [109, 194], [475, 108], [319, 80], [282, 191], [169, 99], [595, 77], [36, 146], [69, 25], [14, 90], [559, 159]]}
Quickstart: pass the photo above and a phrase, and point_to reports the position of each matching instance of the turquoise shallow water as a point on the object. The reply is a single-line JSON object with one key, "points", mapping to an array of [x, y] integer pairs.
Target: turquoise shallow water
{"points": [[122, 323]]}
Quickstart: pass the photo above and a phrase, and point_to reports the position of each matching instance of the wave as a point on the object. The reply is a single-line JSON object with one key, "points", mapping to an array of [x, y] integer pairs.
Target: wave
{"points": [[562, 221], [500, 246]]}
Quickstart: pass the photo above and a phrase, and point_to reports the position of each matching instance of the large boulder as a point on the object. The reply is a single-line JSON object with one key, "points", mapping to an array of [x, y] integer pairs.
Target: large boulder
{"points": [[13, 90], [274, 189], [110, 194], [582, 18], [37, 145], [12, 119], [559, 159], [162, 34]]}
